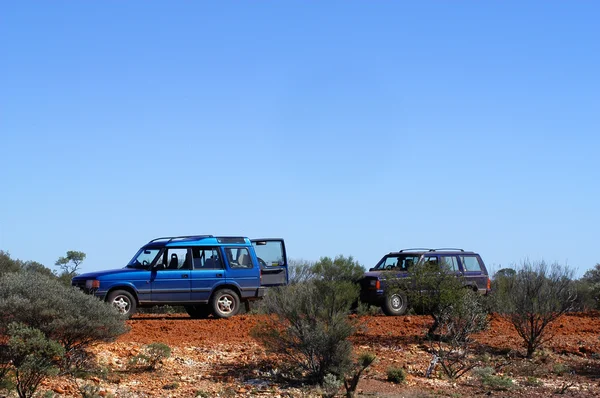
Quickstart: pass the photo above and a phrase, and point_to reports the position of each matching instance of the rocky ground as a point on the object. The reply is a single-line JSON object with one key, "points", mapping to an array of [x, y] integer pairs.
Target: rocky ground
{"points": [[217, 357]]}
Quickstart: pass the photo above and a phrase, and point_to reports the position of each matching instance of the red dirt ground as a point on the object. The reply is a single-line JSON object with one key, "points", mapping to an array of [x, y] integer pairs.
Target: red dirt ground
{"points": [[217, 357]]}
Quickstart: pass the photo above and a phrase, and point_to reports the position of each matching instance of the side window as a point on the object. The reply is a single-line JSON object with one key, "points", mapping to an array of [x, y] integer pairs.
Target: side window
{"points": [[450, 262], [238, 257], [176, 258], [470, 263], [206, 258], [431, 260], [390, 262], [270, 252]]}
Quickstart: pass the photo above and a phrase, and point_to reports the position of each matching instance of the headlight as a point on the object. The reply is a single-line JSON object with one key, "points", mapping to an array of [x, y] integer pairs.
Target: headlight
{"points": [[92, 284]]}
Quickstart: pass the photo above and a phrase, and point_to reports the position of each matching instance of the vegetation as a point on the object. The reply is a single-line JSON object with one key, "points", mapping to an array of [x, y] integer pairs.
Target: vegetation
{"points": [[151, 357], [64, 314], [309, 324], [456, 325], [396, 375], [532, 298], [32, 357]]}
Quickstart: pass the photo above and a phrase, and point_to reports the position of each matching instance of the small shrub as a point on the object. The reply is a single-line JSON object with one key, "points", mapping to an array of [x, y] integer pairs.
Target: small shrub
{"points": [[171, 386], [560, 369], [532, 298], [330, 386], [490, 380], [63, 314], [532, 381], [396, 375], [365, 360], [151, 356], [33, 357], [310, 327]]}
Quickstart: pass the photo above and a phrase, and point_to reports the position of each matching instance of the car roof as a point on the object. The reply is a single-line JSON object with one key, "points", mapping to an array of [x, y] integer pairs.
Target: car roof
{"points": [[443, 250], [198, 240]]}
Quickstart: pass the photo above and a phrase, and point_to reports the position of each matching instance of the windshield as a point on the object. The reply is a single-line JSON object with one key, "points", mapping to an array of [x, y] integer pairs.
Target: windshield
{"points": [[143, 258], [401, 262]]}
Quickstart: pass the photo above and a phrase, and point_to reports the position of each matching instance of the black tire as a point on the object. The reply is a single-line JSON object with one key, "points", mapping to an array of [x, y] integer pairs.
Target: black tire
{"points": [[395, 304], [225, 303], [123, 301], [201, 311]]}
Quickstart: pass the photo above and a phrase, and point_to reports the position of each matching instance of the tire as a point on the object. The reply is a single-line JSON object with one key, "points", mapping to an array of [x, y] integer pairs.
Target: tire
{"points": [[395, 304], [200, 311], [123, 301], [225, 303]]}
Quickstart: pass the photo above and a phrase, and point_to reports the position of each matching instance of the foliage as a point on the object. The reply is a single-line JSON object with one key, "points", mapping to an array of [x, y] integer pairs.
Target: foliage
{"points": [[310, 327], [330, 386], [63, 314], [490, 380], [71, 262], [7, 264], [339, 269], [300, 271], [396, 375], [365, 360], [151, 356], [588, 290], [533, 298], [456, 325], [32, 357], [431, 289]]}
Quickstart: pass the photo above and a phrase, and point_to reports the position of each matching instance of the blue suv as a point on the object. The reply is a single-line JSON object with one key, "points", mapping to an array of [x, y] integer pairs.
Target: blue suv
{"points": [[205, 274], [466, 265]]}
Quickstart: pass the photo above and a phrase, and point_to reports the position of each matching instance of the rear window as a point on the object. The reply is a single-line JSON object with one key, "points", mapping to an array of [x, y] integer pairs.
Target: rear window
{"points": [[470, 263]]}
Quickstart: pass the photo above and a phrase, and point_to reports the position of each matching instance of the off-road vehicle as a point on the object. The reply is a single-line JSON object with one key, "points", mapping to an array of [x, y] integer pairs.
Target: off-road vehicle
{"points": [[203, 273], [374, 286]]}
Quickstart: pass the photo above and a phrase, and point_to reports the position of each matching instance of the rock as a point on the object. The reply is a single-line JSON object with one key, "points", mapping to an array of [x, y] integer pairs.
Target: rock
{"points": [[58, 390], [242, 390]]}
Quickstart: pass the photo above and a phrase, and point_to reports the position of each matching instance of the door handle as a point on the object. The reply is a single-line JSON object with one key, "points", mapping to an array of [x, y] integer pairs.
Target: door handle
{"points": [[184, 276], [219, 275]]}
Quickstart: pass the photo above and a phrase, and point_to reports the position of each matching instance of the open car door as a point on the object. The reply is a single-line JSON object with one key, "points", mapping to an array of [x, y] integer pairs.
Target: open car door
{"points": [[273, 261]]}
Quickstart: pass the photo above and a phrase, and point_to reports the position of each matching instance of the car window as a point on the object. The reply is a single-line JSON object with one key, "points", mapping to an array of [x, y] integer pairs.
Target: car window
{"points": [[431, 260], [470, 263], [176, 258], [238, 257], [206, 258], [451, 262]]}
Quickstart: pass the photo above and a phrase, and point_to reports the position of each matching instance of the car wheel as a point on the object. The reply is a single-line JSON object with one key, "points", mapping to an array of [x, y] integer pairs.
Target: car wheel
{"points": [[123, 301], [395, 304], [201, 311], [225, 303]]}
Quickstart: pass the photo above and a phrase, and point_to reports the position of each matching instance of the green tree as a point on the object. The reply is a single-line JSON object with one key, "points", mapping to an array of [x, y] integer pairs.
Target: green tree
{"points": [[339, 269], [7, 264], [71, 262], [533, 298]]}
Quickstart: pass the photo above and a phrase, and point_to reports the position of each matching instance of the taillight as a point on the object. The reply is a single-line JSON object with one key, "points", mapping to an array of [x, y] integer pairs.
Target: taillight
{"points": [[489, 284], [378, 285]]}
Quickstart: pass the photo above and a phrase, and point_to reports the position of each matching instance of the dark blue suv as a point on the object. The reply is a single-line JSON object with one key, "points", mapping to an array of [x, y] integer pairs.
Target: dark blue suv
{"points": [[205, 274], [397, 265]]}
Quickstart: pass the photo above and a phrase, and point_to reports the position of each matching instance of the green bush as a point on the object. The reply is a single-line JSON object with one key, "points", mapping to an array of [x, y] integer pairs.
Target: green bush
{"points": [[310, 327], [396, 375], [151, 356], [63, 314], [495, 382], [339, 269], [33, 357], [533, 298]]}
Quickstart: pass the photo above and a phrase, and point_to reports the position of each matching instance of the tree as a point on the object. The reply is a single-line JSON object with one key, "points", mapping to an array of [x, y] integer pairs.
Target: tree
{"points": [[7, 264], [339, 269], [533, 298], [71, 262]]}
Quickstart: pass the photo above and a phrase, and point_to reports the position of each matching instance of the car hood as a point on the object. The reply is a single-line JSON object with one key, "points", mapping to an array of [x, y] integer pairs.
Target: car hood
{"points": [[108, 274]]}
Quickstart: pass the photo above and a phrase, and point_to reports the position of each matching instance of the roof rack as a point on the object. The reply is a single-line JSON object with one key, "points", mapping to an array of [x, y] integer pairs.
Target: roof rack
{"points": [[446, 248], [172, 238], [416, 249]]}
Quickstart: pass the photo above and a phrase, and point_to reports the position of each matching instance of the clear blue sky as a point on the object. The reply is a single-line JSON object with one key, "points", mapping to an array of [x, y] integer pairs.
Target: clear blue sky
{"points": [[351, 127]]}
